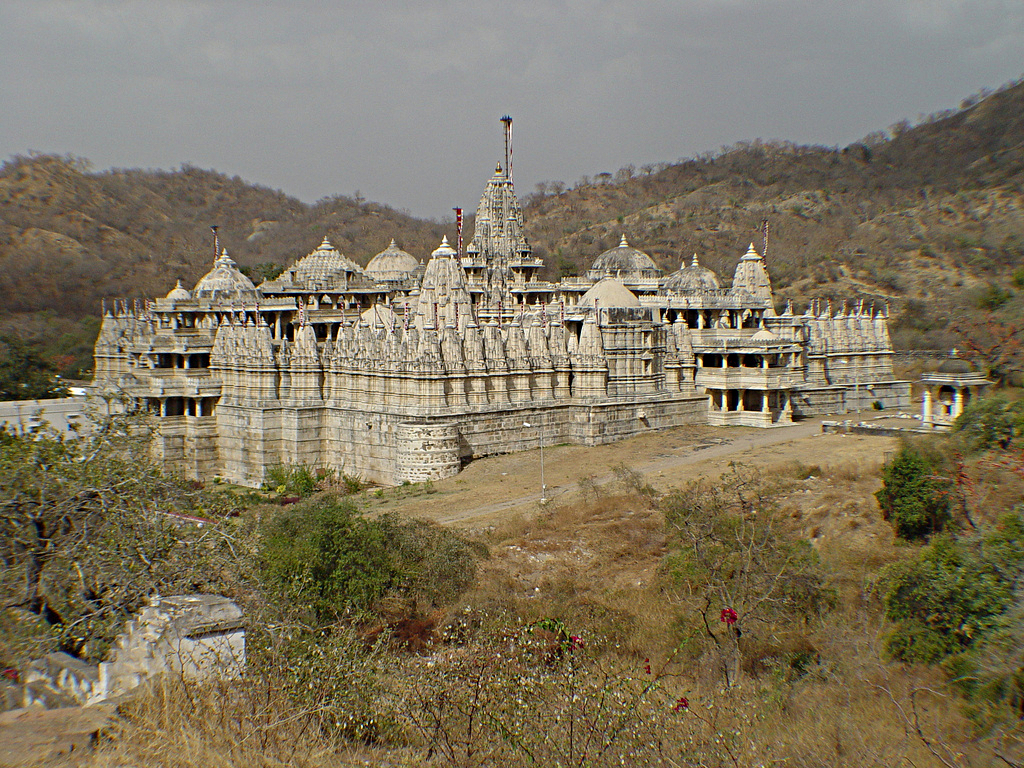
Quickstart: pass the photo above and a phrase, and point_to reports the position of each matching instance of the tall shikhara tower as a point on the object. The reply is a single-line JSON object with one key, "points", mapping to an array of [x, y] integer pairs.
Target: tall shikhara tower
{"points": [[499, 243]]}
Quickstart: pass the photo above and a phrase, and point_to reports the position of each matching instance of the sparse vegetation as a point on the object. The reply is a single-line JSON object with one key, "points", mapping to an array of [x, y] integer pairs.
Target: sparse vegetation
{"points": [[601, 630], [89, 528]]}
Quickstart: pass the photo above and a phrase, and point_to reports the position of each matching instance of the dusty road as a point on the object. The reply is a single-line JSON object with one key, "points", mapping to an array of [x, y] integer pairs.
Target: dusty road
{"points": [[491, 488]]}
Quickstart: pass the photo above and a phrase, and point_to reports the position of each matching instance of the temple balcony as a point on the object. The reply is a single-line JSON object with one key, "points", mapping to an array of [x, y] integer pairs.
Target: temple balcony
{"points": [[174, 382], [748, 378]]}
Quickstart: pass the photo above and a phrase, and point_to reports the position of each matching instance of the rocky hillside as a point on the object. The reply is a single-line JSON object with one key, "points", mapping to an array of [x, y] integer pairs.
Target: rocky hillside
{"points": [[928, 217]]}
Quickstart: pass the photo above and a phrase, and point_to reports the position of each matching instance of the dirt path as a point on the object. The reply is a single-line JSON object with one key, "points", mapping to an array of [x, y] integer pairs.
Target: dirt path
{"points": [[50, 737], [491, 488]]}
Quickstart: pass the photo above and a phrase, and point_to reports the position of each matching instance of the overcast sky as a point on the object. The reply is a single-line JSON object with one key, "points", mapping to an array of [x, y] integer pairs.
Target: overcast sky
{"points": [[401, 100]]}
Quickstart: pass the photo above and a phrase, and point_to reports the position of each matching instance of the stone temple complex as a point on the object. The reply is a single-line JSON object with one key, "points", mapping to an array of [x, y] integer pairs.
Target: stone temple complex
{"points": [[402, 371]]}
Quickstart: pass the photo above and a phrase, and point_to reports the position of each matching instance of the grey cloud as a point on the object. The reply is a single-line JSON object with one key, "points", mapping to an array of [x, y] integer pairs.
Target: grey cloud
{"points": [[401, 101]]}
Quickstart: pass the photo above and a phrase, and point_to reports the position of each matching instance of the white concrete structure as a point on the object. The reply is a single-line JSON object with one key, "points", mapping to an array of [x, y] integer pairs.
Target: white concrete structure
{"points": [[63, 414], [948, 390], [194, 636]]}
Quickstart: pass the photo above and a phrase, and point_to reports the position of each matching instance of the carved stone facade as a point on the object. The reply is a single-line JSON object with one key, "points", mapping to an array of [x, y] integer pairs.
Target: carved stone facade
{"points": [[401, 372]]}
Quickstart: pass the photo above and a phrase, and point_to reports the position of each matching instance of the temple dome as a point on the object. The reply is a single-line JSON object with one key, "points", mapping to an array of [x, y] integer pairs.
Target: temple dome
{"points": [[751, 276], [323, 265], [624, 261], [692, 277], [955, 364], [179, 293], [379, 315], [609, 292], [224, 282], [392, 264]]}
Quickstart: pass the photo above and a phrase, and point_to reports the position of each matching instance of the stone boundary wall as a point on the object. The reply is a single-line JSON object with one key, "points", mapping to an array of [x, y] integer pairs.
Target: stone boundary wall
{"points": [[913, 355], [825, 401], [848, 428]]}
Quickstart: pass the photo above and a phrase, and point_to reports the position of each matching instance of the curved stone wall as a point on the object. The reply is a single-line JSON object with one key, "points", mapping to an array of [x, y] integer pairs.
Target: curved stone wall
{"points": [[426, 452]]}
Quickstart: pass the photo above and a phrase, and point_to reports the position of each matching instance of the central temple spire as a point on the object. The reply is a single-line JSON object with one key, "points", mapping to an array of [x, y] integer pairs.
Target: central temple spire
{"points": [[498, 236]]}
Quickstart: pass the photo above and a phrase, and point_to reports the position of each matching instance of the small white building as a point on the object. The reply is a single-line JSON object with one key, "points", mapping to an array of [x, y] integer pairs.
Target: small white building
{"points": [[948, 390]]}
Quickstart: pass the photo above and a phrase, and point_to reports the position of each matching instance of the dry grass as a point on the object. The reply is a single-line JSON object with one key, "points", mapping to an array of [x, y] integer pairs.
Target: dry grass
{"points": [[593, 564], [174, 723]]}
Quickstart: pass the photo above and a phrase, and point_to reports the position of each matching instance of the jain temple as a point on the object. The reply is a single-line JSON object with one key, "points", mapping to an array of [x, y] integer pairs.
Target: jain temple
{"points": [[402, 371]]}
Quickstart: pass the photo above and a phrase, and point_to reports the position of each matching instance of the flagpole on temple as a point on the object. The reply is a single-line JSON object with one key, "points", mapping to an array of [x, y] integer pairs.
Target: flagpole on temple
{"points": [[458, 226], [507, 120]]}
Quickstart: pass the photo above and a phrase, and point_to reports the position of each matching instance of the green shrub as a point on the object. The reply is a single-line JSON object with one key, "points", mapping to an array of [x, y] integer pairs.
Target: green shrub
{"points": [[327, 558], [1018, 277], [438, 565], [304, 480], [991, 673], [290, 480], [953, 592], [914, 496], [989, 422], [993, 297]]}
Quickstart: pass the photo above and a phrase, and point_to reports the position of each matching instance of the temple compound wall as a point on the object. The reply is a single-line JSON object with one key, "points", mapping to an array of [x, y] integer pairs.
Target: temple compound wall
{"points": [[403, 371]]}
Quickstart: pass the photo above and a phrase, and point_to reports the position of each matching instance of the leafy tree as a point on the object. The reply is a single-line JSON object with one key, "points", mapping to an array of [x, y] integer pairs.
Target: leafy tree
{"points": [[989, 422], [953, 592], [744, 572], [914, 497], [24, 373], [88, 532]]}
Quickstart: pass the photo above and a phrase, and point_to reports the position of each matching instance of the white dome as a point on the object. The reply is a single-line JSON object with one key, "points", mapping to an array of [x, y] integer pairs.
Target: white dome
{"points": [[692, 277], [392, 264], [625, 261], [179, 293], [224, 282], [323, 265], [609, 292]]}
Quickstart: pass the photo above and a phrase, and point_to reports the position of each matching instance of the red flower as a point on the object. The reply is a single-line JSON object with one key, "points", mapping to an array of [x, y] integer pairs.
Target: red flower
{"points": [[575, 641], [11, 674], [681, 704], [729, 616], [647, 666]]}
